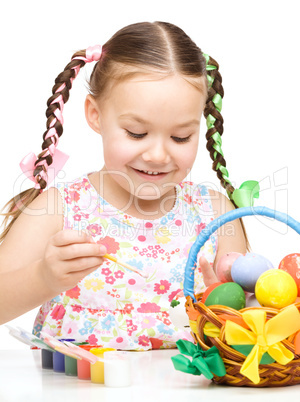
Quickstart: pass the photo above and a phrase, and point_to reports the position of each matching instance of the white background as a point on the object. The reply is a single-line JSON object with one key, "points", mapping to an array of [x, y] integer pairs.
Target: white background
{"points": [[257, 46]]}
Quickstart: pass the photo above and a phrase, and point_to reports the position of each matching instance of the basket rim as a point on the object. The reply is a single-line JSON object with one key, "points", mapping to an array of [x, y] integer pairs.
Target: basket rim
{"points": [[214, 225]]}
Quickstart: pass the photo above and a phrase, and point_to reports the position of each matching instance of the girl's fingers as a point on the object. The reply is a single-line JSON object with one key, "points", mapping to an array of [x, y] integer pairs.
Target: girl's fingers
{"points": [[68, 236], [209, 276], [73, 251], [81, 264]]}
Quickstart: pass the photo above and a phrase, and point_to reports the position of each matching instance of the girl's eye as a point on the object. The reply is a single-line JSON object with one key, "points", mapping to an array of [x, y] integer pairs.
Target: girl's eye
{"points": [[133, 135], [176, 139], [179, 139]]}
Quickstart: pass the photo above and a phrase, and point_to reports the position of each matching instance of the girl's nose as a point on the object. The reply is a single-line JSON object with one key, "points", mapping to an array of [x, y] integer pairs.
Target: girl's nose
{"points": [[157, 153]]}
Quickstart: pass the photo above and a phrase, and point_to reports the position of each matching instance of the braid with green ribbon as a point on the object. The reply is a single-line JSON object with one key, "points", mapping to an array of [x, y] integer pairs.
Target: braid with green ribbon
{"points": [[243, 196]]}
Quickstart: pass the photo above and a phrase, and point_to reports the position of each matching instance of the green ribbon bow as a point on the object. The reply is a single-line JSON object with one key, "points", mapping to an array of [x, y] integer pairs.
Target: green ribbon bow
{"points": [[206, 362], [244, 196]]}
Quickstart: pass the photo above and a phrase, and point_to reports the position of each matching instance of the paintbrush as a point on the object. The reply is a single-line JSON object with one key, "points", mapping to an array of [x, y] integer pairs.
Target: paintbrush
{"points": [[137, 271]]}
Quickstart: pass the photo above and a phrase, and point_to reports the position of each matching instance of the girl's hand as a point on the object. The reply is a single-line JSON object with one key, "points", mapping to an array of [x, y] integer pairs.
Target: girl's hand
{"points": [[69, 257], [209, 276]]}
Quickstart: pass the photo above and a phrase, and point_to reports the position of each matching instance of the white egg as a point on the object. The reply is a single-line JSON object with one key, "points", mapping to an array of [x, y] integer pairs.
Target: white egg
{"points": [[178, 315], [251, 301]]}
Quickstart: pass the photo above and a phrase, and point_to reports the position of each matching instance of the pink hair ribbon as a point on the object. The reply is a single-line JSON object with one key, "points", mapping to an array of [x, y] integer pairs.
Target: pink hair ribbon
{"points": [[92, 53], [27, 165]]}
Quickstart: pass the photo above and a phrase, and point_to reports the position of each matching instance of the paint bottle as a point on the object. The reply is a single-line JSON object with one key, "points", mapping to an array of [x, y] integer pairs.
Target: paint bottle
{"points": [[83, 366], [71, 362], [47, 359], [59, 359], [117, 369], [58, 362], [70, 366], [97, 369]]}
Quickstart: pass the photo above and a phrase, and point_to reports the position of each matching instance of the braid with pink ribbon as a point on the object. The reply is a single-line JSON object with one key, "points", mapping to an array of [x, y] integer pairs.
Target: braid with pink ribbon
{"points": [[36, 168]]}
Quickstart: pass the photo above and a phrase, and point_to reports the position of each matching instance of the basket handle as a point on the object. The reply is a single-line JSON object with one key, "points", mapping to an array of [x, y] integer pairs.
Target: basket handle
{"points": [[188, 285]]}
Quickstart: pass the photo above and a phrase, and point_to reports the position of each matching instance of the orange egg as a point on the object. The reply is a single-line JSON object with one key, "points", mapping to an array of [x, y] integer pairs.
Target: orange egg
{"points": [[209, 290], [291, 265]]}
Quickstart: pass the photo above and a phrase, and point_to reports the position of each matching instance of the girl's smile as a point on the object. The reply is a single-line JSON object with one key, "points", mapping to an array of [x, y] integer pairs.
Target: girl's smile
{"points": [[151, 175]]}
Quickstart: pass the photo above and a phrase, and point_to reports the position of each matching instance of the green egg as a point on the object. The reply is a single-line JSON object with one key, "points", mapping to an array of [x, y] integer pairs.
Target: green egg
{"points": [[228, 294]]}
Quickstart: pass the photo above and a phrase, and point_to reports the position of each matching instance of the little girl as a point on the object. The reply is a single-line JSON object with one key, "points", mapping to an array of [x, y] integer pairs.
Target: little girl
{"points": [[148, 90]]}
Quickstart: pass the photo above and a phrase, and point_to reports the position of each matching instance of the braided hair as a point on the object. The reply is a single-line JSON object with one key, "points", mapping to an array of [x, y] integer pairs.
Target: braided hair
{"points": [[214, 122], [157, 47]]}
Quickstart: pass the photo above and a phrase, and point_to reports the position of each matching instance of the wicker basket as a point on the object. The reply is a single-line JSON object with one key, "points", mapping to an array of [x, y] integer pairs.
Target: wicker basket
{"points": [[273, 374]]}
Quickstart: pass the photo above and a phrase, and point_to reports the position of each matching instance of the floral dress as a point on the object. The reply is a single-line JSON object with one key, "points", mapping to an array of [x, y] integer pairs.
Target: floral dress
{"points": [[113, 306]]}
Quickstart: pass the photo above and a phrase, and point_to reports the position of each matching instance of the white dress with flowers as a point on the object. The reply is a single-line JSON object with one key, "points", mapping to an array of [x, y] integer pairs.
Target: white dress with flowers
{"points": [[115, 307]]}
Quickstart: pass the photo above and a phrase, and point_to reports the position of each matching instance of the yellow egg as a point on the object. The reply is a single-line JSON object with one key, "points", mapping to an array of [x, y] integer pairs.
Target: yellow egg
{"points": [[275, 288]]}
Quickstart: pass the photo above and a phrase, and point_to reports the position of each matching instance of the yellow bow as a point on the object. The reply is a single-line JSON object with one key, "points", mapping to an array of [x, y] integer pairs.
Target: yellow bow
{"points": [[266, 336]]}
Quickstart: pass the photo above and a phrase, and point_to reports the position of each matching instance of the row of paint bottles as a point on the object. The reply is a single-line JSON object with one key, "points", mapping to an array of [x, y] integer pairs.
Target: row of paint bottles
{"points": [[83, 369]]}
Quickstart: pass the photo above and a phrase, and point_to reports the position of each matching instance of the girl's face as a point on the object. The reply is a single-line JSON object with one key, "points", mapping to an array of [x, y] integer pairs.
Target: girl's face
{"points": [[148, 125]]}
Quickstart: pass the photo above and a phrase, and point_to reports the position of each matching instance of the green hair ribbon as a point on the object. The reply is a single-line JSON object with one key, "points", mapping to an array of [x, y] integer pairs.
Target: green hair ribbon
{"points": [[244, 196], [209, 67], [206, 362]]}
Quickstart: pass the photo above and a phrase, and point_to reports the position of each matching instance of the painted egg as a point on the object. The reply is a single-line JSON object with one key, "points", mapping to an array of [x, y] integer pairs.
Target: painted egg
{"points": [[228, 294], [223, 268], [291, 264], [251, 300], [246, 270], [209, 289], [276, 288]]}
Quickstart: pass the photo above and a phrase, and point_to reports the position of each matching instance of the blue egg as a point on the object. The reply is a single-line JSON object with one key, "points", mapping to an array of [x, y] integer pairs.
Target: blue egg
{"points": [[247, 268]]}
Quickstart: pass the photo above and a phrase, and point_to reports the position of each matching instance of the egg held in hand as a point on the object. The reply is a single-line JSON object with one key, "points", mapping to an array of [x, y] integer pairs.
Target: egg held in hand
{"points": [[223, 268], [247, 269], [276, 288], [291, 264]]}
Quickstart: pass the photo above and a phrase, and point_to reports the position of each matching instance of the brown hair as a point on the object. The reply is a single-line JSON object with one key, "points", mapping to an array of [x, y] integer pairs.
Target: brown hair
{"points": [[146, 47]]}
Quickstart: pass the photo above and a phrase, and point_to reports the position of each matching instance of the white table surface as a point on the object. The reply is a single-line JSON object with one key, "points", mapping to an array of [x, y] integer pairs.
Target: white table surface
{"points": [[155, 380]]}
